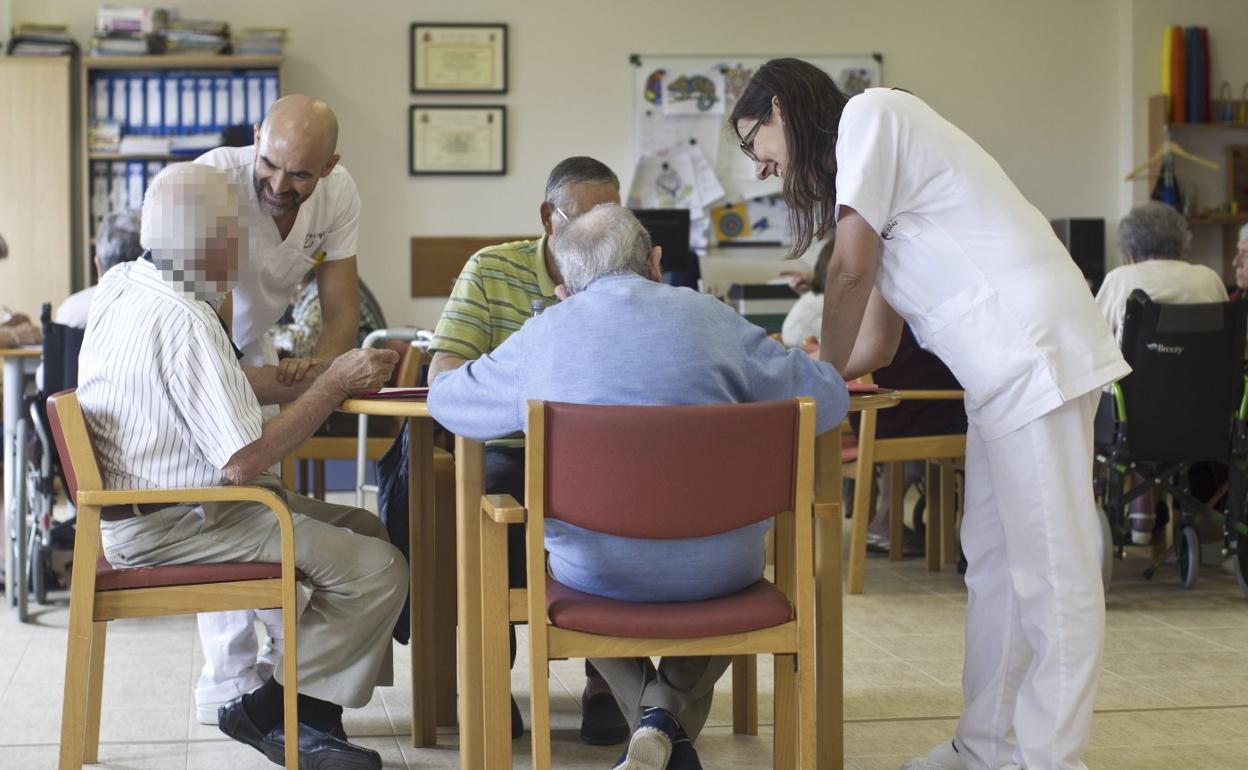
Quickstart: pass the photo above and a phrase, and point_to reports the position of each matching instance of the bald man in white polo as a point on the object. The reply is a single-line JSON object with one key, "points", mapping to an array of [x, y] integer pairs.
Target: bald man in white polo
{"points": [[302, 212]]}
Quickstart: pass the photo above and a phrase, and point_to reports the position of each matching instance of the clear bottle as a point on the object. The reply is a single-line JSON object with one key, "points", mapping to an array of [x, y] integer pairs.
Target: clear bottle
{"points": [[536, 307]]}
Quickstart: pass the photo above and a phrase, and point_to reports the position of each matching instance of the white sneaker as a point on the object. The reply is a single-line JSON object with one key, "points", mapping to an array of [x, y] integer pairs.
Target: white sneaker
{"points": [[943, 757]]}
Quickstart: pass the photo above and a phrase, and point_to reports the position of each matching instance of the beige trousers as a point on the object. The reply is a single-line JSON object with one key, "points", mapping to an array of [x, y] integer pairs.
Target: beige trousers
{"points": [[354, 587]]}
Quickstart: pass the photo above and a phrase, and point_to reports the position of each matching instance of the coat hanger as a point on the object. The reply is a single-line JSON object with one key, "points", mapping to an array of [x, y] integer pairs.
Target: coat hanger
{"points": [[1172, 148]]}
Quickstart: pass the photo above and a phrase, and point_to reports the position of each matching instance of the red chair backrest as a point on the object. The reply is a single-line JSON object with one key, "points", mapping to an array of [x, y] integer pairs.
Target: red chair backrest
{"points": [[62, 408], [669, 471]]}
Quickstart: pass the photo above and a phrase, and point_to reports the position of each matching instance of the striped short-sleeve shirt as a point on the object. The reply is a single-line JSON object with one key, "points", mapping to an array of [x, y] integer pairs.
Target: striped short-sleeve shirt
{"points": [[160, 386], [493, 298]]}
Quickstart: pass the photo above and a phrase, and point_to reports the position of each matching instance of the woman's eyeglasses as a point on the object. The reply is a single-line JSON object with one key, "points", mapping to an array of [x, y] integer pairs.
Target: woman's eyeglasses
{"points": [[747, 142]]}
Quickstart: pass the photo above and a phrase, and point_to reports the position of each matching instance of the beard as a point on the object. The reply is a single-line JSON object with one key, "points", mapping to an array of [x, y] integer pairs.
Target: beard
{"points": [[289, 204]]}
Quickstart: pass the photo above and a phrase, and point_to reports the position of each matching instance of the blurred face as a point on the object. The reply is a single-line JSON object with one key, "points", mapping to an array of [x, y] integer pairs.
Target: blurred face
{"points": [[1241, 265], [763, 142], [578, 199], [287, 171]]}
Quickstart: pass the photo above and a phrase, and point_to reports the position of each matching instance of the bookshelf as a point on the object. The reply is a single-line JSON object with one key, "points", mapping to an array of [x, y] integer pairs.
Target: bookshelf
{"points": [[143, 66], [1219, 233]]}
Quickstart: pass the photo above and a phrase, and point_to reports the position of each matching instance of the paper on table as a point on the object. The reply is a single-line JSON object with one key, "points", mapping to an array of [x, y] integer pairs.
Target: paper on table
{"points": [[415, 394]]}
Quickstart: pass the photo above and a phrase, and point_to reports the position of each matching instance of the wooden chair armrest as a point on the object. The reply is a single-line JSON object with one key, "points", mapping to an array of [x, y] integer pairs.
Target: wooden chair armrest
{"points": [[503, 509], [827, 510], [931, 395], [102, 497]]}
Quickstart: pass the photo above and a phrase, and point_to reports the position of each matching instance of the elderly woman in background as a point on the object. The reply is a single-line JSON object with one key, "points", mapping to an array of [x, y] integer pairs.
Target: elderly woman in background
{"points": [[1241, 264], [116, 241], [1152, 240]]}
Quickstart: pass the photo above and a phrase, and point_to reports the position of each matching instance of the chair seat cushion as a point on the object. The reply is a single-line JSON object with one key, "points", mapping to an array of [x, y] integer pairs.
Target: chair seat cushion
{"points": [[109, 579], [761, 605]]}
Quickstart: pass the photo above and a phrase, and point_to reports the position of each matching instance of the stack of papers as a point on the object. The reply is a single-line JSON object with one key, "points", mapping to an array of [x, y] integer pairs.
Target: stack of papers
{"points": [[41, 40], [137, 144], [195, 144], [260, 41]]}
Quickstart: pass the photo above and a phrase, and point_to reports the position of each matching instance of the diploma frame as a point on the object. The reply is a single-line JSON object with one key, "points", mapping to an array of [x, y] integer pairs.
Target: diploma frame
{"points": [[488, 139], [487, 56]]}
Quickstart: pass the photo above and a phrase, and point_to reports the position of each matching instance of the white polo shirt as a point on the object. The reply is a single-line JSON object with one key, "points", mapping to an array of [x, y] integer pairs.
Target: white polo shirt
{"points": [[325, 229], [159, 385], [974, 268]]}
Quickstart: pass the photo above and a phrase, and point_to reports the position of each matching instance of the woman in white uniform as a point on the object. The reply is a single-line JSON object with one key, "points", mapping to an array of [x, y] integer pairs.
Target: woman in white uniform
{"points": [[930, 230]]}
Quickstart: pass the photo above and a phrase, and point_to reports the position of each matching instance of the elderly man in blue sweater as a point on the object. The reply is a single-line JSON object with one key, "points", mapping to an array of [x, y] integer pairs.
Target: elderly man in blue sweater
{"points": [[622, 337]]}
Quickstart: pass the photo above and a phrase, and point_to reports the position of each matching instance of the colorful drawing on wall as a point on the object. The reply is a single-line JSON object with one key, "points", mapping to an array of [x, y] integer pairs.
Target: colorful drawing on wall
{"points": [[735, 79], [654, 87], [855, 81], [730, 222], [693, 93]]}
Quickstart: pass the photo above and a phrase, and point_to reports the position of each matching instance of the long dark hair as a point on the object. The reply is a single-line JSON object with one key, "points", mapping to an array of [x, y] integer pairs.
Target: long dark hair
{"points": [[811, 105]]}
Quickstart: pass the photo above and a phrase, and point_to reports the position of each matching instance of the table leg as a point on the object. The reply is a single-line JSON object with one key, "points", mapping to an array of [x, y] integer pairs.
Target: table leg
{"points": [[12, 410], [422, 533], [469, 486], [829, 662]]}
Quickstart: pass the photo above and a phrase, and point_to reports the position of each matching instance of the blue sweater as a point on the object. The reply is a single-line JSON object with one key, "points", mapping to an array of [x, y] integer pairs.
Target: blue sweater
{"points": [[628, 340]]}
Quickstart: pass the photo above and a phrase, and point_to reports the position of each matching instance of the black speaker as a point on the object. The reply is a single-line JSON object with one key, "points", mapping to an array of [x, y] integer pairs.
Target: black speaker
{"points": [[1085, 240]]}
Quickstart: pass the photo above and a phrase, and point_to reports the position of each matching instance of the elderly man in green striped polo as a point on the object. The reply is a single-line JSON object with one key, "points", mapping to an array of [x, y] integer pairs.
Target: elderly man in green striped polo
{"points": [[501, 287]]}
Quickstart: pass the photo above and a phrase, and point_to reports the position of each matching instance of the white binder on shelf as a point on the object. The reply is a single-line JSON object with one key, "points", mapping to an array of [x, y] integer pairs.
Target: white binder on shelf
{"points": [[173, 100], [155, 119], [138, 100], [117, 187], [186, 116], [238, 98], [134, 184], [222, 116], [203, 103], [102, 101], [255, 98], [270, 90], [99, 193], [121, 99]]}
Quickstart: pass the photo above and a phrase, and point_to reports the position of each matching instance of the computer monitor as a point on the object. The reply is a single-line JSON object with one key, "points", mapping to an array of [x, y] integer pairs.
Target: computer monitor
{"points": [[669, 229]]}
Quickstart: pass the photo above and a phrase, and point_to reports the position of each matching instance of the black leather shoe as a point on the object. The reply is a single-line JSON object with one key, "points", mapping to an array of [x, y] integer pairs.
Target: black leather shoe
{"points": [[602, 722], [317, 750]]}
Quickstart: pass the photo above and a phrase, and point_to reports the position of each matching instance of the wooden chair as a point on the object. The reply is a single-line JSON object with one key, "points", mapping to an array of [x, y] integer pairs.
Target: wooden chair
{"points": [[708, 469], [317, 449], [896, 451], [103, 594]]}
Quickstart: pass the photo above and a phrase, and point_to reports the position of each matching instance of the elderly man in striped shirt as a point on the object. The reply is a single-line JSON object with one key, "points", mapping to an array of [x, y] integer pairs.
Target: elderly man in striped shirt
{"points": [[169, 406]]}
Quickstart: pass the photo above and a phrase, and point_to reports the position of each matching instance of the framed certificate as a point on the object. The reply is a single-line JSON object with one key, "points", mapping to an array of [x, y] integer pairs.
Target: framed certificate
{"points": [[459, 58], [457, 139]]}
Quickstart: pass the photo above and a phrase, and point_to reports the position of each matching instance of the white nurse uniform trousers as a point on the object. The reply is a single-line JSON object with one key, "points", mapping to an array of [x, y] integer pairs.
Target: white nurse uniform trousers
{"points": [[1035, 615]]}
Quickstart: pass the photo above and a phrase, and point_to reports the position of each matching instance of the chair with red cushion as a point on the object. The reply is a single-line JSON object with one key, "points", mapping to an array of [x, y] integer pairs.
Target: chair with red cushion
{"points": [[103, 594], [676, 472]]}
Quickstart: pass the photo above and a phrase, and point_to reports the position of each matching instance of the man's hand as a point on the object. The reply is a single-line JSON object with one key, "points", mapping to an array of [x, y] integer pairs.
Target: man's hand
{"points": [[292, 370], [362, 371]]}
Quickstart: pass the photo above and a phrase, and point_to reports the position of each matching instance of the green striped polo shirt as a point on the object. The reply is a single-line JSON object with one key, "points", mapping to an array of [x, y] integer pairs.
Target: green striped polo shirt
{"points": [[492, 298]]}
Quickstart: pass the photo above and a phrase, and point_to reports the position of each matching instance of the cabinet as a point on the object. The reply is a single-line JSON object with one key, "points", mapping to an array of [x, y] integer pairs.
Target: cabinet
{"points": [[1214, 236], [37, 205], [104, 86]]}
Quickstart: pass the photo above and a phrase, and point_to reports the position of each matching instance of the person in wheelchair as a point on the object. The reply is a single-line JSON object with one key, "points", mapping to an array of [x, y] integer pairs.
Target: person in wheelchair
{"points": [[1152, 239], [116, 241]]}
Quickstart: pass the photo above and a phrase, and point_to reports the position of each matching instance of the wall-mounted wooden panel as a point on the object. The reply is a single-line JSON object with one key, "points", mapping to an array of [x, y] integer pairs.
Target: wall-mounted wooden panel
{"points": [[436, 261]]}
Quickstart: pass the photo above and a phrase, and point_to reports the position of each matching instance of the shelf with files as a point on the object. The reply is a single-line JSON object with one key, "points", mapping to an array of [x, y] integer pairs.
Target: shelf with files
{"points": [[182, 98]]}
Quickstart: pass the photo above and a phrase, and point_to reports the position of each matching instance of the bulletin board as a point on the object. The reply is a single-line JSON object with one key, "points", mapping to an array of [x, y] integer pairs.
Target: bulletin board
{"points": [[686, 156]]}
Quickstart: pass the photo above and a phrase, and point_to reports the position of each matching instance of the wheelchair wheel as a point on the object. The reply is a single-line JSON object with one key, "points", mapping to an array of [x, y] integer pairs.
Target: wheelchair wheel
{"points": [[1188, 547], [38, 571], [1107, 547], [18, 564]]}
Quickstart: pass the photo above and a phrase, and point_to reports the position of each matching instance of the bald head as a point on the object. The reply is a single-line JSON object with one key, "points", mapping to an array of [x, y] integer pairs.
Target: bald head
{"points": [[295, 147]]}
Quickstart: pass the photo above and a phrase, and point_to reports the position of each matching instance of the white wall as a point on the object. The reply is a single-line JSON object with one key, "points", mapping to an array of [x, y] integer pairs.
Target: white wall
{"points": [[1038, 84]]}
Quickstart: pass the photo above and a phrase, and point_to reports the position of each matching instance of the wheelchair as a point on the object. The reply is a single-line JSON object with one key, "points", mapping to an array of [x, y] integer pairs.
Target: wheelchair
{"points": [[34, 535], [1184, 403]]}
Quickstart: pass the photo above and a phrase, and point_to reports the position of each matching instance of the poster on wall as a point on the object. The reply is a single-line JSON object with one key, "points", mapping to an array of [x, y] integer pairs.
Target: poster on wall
{"points": [[680, 108]]}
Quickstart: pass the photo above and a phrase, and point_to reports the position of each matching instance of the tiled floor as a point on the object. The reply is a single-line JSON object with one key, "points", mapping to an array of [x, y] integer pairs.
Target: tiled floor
{"points": [[1174, 694]]}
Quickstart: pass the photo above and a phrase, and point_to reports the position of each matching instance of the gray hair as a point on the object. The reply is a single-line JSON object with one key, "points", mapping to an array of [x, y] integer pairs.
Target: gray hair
{"points": [[1153, 231], [576, 170], [604, 241], [117, 239]]}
